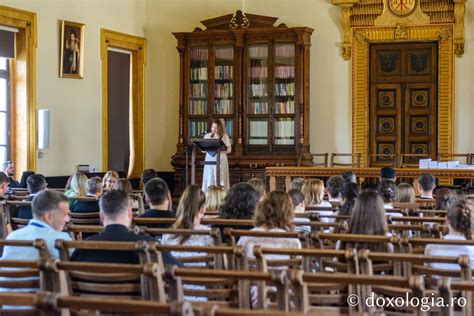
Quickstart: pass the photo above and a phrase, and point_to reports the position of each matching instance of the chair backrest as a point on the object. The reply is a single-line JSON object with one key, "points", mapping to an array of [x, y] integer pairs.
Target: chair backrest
{"points": [[133, 281], [19, 274], [308, 160], [77, 232], [465, 159], [382, 160], [39, 244], [411, 160], [223, 284], [77, 218], [213, 232], [11, 221], [355, 160], [231, 235]]}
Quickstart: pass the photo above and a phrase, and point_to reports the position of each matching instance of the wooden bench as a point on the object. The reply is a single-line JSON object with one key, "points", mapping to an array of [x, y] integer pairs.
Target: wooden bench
{"points": [[231, 235]]}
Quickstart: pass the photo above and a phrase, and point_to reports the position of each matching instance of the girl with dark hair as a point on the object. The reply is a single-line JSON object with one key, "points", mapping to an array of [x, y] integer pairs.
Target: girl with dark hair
{"points": [[368, 218], [209, 174], [387, 191], [240, 203], [349, 193], [458, 220]]}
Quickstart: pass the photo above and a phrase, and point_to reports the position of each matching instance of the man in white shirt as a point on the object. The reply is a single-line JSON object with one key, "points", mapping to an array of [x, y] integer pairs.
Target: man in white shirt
{"points": [[50, 215], [426, 185]]}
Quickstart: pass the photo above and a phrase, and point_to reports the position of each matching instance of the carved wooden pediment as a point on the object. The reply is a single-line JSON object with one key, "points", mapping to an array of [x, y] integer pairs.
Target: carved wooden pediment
{"points": [[239, 20]]}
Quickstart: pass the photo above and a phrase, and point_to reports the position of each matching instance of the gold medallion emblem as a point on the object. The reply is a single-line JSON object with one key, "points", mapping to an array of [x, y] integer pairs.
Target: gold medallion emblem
{"points": [[402, 7]]}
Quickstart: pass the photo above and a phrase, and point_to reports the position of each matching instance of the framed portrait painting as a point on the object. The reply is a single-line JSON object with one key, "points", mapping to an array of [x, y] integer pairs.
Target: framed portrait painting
{"points": [[71, 63]]}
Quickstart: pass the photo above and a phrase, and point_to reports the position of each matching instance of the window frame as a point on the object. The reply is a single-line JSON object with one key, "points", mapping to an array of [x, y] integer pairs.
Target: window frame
{"points": [[5, 74]]}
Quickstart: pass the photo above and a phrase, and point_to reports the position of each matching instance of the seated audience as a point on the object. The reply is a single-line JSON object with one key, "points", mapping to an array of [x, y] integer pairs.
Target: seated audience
{"points": [[239, 203], [147, 175], [215, 196], [190, 210], [297, 184], [259, 186], [50, 215], [458, 220], [158, 197], [349, 176], [406, 194], [35, 183], [116, 216], [3, 185], [333, 189], [445, 198], [78, 187], [94, 190], [298, 202], [124, 185], [8, 167], [273, 214], [368, 218], [426, 185], [388, 173], [386, 189], [109, 180], [349, 193]]}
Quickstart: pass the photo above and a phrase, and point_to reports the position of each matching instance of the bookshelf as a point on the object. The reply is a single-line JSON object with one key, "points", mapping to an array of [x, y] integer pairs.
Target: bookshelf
{"points": [[255, 78]]}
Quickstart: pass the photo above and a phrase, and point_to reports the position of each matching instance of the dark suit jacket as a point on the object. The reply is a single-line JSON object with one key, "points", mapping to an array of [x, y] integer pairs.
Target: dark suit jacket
{"points": [[25, 211], [85, 207], [158, 214], [117, 232], [12, 183]]}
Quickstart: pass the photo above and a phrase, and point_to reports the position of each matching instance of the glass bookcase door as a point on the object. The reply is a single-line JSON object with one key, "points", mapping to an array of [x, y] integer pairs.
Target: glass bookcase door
{"points": [[198, 81], [224, 80], [284, 94], [258, 103]]}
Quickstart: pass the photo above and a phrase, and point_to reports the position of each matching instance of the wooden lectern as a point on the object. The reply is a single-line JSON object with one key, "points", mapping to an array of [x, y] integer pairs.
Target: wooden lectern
{"points": [[210, 145]]}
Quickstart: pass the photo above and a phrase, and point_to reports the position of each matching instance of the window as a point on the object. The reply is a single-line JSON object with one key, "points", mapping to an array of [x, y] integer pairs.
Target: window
{"points": [[4, 110]]}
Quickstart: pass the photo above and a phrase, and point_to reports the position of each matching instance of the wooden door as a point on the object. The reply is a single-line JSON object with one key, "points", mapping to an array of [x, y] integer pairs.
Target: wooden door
{"points": [[403, 100]]}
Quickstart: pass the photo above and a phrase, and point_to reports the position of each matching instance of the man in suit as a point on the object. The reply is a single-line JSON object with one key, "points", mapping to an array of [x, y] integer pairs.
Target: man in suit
{"points": [[94, 190], [116, 216], [158, 197], [50, 214], [35, 183], [8, 167]]}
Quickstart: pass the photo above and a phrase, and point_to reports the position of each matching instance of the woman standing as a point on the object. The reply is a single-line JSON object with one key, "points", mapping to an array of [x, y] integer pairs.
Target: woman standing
{"points": [[209, 173]]}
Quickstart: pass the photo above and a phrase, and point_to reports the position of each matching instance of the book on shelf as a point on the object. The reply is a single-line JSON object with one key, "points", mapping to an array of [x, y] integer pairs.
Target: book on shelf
{"points": [[200, 54], [285, 72], [196, 128], [223, 90], [285, 50], [258, 72], [226, 53], [284, 89], [258, 108], [199, 73], [223, 106], [258, 90], [229, 128], [197, 107], [258, 51], [258, 133], [287, 107], [198, 90], [285, 132], [223, 72]]}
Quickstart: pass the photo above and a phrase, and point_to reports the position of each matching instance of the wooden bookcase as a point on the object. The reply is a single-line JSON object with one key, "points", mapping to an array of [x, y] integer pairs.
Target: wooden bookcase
{"points": [[252, 75]]}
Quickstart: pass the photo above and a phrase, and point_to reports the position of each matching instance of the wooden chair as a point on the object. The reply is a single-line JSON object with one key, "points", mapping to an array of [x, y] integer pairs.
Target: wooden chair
{"points": [[77, 218], [448, 289], [215, 257], [355, 160], [54, 304], [411, 160], [465, 159], [323, 163], [231, 235], [39, 244], [78, 232], [382, 160], [220, 285], [10, 221], [65, 249], [129, 281], [12, 301], [214, 232]]}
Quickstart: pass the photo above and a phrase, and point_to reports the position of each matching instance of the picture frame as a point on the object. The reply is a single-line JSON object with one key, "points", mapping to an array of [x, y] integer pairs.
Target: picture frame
{"points": [[71, 60]]}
